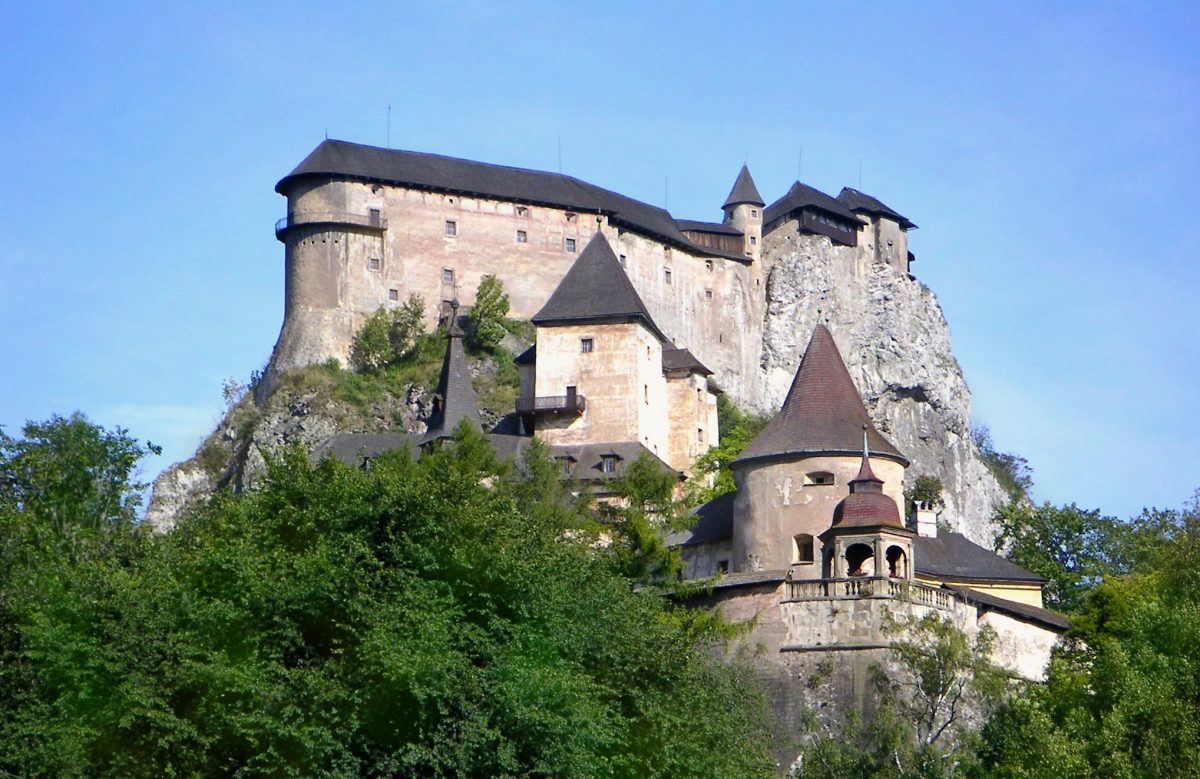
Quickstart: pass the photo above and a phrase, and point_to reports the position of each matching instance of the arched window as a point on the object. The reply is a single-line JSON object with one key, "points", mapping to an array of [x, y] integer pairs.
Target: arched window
{"points": [[897, 562], [860, 560], [803, 549]]}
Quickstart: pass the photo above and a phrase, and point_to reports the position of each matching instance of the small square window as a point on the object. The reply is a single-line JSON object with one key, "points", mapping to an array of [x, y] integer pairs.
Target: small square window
{"points": [[586, 345], [708, 294], [754, 213], [374, 264], [451, 228], [667, 275], [521, 236], [753, 241], [570, 244], [393, 294], [522, 211], [447, 275], [708, 265]]}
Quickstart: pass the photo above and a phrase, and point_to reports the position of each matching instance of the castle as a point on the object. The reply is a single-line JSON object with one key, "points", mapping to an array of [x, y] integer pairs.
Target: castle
{"points": [[641, 320]]}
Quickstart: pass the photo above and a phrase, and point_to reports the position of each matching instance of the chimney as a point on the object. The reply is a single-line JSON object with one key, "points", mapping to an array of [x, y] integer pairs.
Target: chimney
{"points": [[926, 520]]}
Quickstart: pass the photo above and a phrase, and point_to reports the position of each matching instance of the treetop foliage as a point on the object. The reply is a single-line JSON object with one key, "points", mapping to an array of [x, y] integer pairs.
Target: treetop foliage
{"points": [[486, 319], [452, 616], [389, 335]]}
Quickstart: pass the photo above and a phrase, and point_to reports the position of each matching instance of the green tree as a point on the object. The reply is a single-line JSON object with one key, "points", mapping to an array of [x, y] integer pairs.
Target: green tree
{"points": [[486, 318], [1071, 547], [1011, 470], [737, 430], [389, 335], [413, 619], [646, 511]]}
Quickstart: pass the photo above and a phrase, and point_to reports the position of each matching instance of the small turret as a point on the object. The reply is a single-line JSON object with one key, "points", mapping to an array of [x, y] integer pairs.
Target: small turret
{"points": [[743, 210]]}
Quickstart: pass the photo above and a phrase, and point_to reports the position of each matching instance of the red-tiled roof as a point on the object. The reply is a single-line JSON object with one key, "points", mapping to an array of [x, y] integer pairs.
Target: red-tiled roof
{"points": [[866, 505], [823, 412]]}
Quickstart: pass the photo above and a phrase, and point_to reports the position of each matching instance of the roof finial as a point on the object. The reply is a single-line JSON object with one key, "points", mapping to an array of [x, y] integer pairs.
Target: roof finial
{"points": [[865, 455]]}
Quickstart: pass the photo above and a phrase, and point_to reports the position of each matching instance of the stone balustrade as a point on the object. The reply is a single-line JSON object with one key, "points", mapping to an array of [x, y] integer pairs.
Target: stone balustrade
{"points": [[870, 587]]}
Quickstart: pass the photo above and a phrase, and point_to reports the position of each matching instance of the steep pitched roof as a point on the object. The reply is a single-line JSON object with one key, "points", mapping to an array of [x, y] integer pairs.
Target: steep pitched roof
{"points": [[682, 360], [744, 191], [596, 289], [449, 174], [822, 414], [803, 196], [861, 201], [457, 396], [714, 523]]}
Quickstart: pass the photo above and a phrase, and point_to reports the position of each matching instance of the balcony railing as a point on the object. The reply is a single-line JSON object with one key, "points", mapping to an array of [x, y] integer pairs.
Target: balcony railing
{"points": [[870, 587], [363, 221], [552, 404]]}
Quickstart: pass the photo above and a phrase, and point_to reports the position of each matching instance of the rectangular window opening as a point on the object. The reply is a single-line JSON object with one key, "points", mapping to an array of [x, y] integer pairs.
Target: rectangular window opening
{"points": [[447, 275], [393, 294], [708, 294], [521, 236], [586, 345], [451, 228], [667, 275], [374, 263], [569, 244]]}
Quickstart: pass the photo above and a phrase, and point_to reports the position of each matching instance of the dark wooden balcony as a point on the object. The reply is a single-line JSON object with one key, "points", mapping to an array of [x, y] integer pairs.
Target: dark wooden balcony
{"points": [[372, 222], [552, 404]]}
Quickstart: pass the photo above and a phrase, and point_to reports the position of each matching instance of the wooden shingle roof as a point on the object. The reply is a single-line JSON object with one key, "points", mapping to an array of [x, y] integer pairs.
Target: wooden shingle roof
{"points": [[822, 414]]}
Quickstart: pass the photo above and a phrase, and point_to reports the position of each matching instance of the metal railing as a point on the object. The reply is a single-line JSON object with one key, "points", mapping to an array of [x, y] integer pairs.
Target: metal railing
{"points": [[552, 404], [870, 587], [369, 221]]}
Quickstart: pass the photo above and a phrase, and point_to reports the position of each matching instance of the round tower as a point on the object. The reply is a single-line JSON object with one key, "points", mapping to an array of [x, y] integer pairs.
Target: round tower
{"points": [[743, 210], [793, 476]]}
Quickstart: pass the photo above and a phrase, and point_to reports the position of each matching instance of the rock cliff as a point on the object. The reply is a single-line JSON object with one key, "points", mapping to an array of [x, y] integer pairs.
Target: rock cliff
{"points": [[896, 343]]}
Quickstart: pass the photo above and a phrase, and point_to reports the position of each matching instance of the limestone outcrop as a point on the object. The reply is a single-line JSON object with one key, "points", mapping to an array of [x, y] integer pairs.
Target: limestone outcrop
{"points": [[896, 343]]}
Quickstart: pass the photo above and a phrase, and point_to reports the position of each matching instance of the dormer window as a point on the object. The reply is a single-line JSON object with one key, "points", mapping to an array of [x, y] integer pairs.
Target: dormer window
{"points": [[608, 463], [818, 479]]}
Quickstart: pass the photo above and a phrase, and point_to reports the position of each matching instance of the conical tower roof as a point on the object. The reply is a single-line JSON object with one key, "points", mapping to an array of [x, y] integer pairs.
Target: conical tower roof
{"points": [[744, 191], [867, 505], [823, 413], [595, 289], [456, 396]]}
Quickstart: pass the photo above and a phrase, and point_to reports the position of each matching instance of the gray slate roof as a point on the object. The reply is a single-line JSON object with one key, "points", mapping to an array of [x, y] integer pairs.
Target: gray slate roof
{"points": [[954, 557], [1023, 611], [449, 174], [356, 448], [744, 191], [682, 360], [802, 196], [458, 401], [693, 226], [822, 414], [714, 523], [861, 201], [596, 289], [589, 458]]}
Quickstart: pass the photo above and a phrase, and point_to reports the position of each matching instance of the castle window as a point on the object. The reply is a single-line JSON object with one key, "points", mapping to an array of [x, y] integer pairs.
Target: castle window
{"points": [[374, 216], [374, 263], [586, 345], [571, 218], [708, 265], [803, 549], [699, 394], [393, 294], [447, 275], [522, 211], [569, 244], [565, 463], [818, 479], [700, 436], [608, 463], [521, 236], [753, 240], [451, 228], [646, 394], [754, 213], [667, 275], [621, 260], [708, 294]]}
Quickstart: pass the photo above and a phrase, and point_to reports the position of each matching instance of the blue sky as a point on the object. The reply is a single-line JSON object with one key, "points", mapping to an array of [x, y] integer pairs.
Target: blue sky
{"points": [[1049, 151]]}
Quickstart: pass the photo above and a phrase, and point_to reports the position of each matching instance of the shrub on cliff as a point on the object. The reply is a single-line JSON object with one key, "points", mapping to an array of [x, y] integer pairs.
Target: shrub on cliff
{"points": [[389, 335], [485, 322]]}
